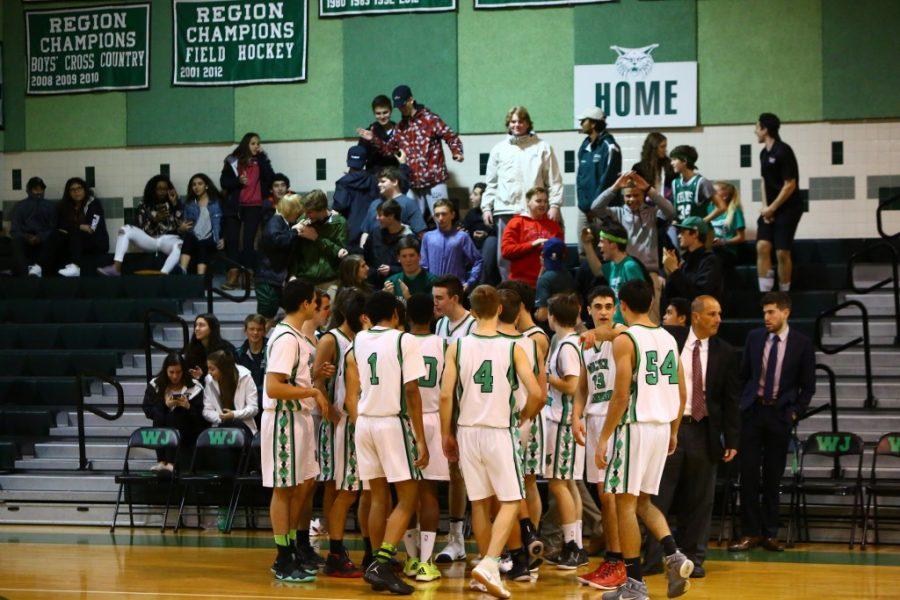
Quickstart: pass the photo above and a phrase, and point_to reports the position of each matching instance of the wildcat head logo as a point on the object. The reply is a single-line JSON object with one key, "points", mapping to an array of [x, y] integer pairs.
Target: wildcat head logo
{"points": [[634, 62]]}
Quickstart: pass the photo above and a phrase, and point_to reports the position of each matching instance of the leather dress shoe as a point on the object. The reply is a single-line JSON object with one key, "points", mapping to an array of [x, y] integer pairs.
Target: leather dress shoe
{"points": [[745, 544], [772, 545]]}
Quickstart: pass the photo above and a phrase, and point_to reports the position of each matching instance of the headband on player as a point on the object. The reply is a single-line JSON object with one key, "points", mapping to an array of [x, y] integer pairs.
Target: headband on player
{"points": [[613, 238]]}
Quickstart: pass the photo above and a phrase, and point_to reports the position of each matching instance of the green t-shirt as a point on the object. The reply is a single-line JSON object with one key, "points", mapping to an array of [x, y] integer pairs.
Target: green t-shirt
{"points": [[420, 284], [724, 231], [617, 274]]}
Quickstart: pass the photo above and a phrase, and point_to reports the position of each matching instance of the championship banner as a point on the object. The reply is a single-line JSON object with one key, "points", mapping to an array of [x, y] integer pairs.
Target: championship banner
{"points": [[229, 42], [533, 3], [347, 8], [88, 49]]}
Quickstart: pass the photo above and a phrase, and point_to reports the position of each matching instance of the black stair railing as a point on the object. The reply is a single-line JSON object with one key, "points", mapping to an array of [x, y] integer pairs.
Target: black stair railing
{"points": [[892, 280], [891, 203], [81, 406], [870, 401], [212, 290], [150, 343]]}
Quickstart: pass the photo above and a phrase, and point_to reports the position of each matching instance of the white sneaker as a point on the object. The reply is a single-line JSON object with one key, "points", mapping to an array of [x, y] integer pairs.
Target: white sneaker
{"points": [[35, 271], [506, 563], [454, 550], [475, 586], [316, 528], [158, 467], [488, 575], [70, 270]]}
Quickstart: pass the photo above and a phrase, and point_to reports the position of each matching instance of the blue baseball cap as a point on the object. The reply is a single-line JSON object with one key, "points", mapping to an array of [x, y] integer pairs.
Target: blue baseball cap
{"points": [[554, 253], [401, 94], [356, 157]]}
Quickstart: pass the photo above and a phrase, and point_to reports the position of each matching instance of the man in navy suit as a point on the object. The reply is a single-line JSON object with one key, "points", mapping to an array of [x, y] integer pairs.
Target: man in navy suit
{"points": [[779, 379]]}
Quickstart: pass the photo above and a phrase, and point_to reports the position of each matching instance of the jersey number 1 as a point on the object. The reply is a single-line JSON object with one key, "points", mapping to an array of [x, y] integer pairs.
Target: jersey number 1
{"points": [[373, 366]]}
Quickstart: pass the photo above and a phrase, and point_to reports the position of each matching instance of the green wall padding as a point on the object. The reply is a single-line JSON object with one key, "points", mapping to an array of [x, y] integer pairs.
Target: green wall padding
{"points": [[381, 52], [756, 57], [531, 67], [166, 115], [75, 121], [860, 49], [14, 75], [311, 110]]}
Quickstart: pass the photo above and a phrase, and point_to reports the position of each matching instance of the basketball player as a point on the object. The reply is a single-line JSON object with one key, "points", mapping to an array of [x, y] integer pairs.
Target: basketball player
{"points": [[287, 437], [390, 440], [642, 420], [481, 369]]}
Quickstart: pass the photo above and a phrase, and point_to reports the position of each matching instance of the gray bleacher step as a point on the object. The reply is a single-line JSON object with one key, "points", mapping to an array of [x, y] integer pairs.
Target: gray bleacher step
{"points": [[855, 387], [47, 497], [130, 388], [878, 327], [109, 430], [129, 418], [852, 362], [62, 482], [874, 302], [93, 450], [87, 511], [874, 421], [67, 464]]}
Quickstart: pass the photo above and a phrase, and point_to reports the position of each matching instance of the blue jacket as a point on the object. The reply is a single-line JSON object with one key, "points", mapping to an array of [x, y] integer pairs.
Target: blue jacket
{"points": [[192, 213], [599, 165], [275, 251], [798, 372], [353, 193]]}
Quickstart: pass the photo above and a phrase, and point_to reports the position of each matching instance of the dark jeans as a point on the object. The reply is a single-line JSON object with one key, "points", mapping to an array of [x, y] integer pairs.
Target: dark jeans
{"points": [[240, 232], [200, 251], [490, 272], [75, 244], [25, 255], [765, 438], [187, 427]]}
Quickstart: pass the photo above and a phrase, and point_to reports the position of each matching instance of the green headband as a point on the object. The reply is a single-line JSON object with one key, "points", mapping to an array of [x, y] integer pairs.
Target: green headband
{"points": [[613, 238]]}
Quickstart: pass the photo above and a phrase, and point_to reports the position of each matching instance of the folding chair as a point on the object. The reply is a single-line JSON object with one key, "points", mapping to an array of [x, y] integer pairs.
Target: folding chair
{"points": [[889, 447], [250, 474], [151, 438]]}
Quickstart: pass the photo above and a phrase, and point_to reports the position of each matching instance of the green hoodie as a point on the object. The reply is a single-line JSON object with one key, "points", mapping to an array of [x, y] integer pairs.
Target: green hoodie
{"points": [[318, 261]]}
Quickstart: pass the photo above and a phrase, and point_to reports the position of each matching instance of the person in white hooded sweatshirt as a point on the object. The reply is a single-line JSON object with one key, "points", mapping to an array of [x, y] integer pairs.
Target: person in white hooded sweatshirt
{"points": [[229, 399], [517, 164]]}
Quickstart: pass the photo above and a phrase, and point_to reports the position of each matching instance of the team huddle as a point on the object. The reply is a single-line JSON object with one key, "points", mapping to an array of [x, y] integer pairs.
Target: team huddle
{"points": [[487, 403]]}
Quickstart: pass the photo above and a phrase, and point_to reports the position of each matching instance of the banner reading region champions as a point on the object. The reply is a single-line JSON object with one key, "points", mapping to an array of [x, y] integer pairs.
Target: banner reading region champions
{"points": [[534, 3], [88, 49], [227, 42], [346, 8]]}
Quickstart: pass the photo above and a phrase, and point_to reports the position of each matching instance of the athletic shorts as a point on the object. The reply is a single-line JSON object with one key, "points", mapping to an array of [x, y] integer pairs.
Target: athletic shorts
{"points": [[564, 457], [386, 447], [593, 427], [638, 458], [531, 445], [490, 463], [288, 448], [780, 232], [438, 468], [268, 299], [346, 466], [325, 449]]}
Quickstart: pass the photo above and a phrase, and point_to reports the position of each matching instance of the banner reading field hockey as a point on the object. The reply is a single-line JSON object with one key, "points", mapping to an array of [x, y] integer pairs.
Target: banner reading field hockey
{"points": [[88, 49], [346, 8], [228, 42], [534, 3]]}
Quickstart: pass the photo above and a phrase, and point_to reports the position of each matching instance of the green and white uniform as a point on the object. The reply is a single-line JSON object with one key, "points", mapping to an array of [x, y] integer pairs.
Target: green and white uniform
{"points": [[531, 432], [385, 443], [337, 389], [454, 331], [601, 377], [531, 464], [433, 350], [487, 430], [691, 197], [641, 442], [565, 458]]}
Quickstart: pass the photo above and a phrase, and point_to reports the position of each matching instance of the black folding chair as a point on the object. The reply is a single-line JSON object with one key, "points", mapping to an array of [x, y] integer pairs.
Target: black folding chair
{"points": [[217, 458], [250, 475], [836, 446], [889, 447], [150, 438]]}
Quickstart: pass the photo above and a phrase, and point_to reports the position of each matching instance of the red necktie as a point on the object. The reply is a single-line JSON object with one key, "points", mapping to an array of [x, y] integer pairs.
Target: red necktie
{"points": [[698, 397]]}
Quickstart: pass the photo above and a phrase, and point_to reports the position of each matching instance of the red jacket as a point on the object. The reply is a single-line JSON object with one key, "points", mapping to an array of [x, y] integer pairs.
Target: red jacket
{"points": [[525, 259]]}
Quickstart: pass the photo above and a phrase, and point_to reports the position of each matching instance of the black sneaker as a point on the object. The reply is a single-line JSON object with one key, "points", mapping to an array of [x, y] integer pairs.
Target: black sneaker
{"points": [[520, 570], [340, 565], [381, 577], [366, 561], [583, 558], [568, 557], [308, 556], [533, 543], [290, 570], [535, 564]]}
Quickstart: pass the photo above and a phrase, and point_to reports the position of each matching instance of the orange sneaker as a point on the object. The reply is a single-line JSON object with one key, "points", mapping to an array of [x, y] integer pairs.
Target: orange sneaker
{"points": [[608, 576]]}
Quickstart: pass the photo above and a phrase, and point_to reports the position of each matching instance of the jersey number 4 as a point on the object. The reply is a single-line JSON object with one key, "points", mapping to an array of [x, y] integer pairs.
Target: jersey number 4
{"points": [[668, 367], [485, 377]]}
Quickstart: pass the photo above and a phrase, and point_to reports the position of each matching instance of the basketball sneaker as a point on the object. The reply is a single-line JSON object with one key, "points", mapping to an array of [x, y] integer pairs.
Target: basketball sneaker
{"points": [[288, 569], [534, 544], [631, 590], [608, 576], [488, 574], [454, 551], [381, 577], [308, 556], [582, 557], [427, 572], [340, 565], [506, 562], [411, 566], [678, 570], [520, 570], [568, 558]]}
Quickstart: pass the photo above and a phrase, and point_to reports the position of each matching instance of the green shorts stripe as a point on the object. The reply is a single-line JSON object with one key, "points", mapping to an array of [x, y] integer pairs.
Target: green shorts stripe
{"points": [[410, 447], [517, 459]]}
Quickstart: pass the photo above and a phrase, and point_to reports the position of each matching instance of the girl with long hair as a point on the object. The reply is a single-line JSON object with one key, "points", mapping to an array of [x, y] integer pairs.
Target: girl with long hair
{"points": [[729, 227], [654, 165], [82, 225], [203, 211], [230, 398], [207, 338], [354, 272]]}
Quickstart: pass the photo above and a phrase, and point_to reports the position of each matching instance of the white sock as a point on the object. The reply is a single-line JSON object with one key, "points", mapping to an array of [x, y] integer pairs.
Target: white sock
{"points": [[767, 282], [579, 533], [426, 547], [456, 531], [411, 541], [570, 532], [784, 287]]}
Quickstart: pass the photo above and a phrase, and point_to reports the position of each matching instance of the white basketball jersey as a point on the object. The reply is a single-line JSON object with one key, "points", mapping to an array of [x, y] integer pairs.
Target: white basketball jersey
{"points": [[310, 346], [433, 348], [529, 346], [293, 360], [387, 359], [454, 331], [565, 360], [654, 382], [601, 377], [486, 381], [338, 385]]}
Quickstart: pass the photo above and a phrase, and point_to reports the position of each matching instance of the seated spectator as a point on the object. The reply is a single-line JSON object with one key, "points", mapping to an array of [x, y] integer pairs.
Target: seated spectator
{"points": [[322, 241], [699, 271], [354, 273], [526, 234], [281, 185], [203, 216], [353, 193], [252, 355], [389, 187], [160, 221], [449, 251], [618, 266], [383, 128], [207, 339], [276, 252], [484, 236], [412, 279], [33, 231], [381, 245], [174, 399], [230, 397], [678, 313], [728, 227], [82, 226], [554, 278]]}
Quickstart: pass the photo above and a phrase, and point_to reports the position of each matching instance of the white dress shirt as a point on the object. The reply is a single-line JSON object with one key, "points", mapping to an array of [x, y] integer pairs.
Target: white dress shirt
{"points": [[687, 364], [782, 345]]}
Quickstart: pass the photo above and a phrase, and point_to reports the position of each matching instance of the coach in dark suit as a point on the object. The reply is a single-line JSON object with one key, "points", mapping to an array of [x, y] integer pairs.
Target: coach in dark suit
{"points": [[779, 380], [708, 435]]}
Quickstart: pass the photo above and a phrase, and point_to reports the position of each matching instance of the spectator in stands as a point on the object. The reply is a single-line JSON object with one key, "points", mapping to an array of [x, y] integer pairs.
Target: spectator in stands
{"points": [[449, 251], [517, 164], [389, 187], [230, 398], [729, 226], [276, 252], [383, 128], [692, 193], [655, 167], [599, 158], [281, 185], [412, 279], [677, 313], [381, 244], [354, 273], [484, 236], [160, 222], [252, 354], [203, 214], [778, 374], [246, 182], [525, 236], [418, 137], [618, 267], [33, 231], [781, 205], [82, 226], [353, 193], [207, 339], [174, 399], [554, 278], [322, 241], [699, 271]]}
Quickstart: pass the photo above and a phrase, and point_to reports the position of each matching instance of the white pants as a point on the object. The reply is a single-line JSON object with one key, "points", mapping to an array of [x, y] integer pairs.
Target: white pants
{"points": [[168, 244], [426, 197]]}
